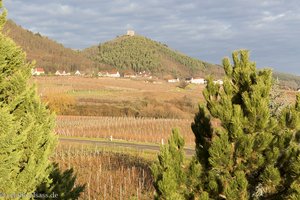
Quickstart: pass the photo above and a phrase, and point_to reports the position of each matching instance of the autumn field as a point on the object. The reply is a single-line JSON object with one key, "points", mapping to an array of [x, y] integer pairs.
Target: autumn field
{"points": [[87, 96], [118, 97]]}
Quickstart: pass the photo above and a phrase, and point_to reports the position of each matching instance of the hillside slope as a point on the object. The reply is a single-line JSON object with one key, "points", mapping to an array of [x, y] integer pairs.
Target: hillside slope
{"points": [[48, 54], [138, 53]]}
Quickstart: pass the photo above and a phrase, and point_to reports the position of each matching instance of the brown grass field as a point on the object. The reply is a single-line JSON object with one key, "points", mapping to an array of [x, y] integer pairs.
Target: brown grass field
{"points": [[127, 94], [119, 97], [105, 88]]}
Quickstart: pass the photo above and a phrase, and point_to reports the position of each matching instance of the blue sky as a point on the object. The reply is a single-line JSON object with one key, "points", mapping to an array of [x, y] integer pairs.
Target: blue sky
{"points": [[204, 29]]}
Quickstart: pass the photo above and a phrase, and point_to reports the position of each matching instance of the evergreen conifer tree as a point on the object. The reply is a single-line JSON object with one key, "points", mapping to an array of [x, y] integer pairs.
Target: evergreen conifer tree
{"points": [[168, 172], [250, 154], [26, 126], [243, 149]]}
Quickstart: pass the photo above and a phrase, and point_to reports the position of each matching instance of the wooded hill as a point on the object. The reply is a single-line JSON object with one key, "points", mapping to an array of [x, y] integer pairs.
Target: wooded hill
{"points": [[48, 54], [124, 53], [138, 53]]}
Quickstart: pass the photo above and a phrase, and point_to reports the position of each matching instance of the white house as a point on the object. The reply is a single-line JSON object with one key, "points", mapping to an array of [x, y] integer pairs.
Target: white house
{"points": [[57, 73], [220, 82], [198, 81], [65, 74], [38, 71], [112, 73], [77, 73]]}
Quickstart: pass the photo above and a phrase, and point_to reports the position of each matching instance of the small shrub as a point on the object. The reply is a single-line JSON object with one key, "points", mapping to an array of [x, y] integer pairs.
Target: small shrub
{"points": [[183, 84], [60, 103]]}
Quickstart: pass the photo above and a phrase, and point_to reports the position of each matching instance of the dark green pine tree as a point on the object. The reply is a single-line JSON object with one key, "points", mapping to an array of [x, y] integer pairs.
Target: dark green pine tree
{"points": [[26, 126], [244, 151], [168, 171]]}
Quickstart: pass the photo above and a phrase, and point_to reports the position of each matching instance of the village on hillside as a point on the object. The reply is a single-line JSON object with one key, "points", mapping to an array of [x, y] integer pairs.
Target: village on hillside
{"points": [[114, 73]]}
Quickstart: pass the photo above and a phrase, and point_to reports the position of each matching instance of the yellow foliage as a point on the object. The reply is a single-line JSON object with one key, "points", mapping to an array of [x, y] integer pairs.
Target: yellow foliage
{"points": [[60, 103]]}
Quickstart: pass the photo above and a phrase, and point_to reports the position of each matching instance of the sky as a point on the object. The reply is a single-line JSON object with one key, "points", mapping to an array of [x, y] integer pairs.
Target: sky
{"points": [[205, 29]]}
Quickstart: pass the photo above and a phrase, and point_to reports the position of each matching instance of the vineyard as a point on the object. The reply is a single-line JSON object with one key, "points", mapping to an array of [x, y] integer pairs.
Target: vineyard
{"points": [[107, 175], [149, 130]]}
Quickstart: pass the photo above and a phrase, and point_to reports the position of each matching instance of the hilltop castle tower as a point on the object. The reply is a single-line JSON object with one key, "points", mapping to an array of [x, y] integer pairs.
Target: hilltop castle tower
{"points": [[130, 32]]}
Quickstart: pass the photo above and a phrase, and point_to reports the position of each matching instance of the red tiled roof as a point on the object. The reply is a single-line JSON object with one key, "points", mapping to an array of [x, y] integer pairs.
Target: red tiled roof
{"points": [[39, 69]]}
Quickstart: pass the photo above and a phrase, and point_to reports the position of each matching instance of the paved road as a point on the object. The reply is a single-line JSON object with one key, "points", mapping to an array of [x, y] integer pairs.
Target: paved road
{"points": [[137, 146]]}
